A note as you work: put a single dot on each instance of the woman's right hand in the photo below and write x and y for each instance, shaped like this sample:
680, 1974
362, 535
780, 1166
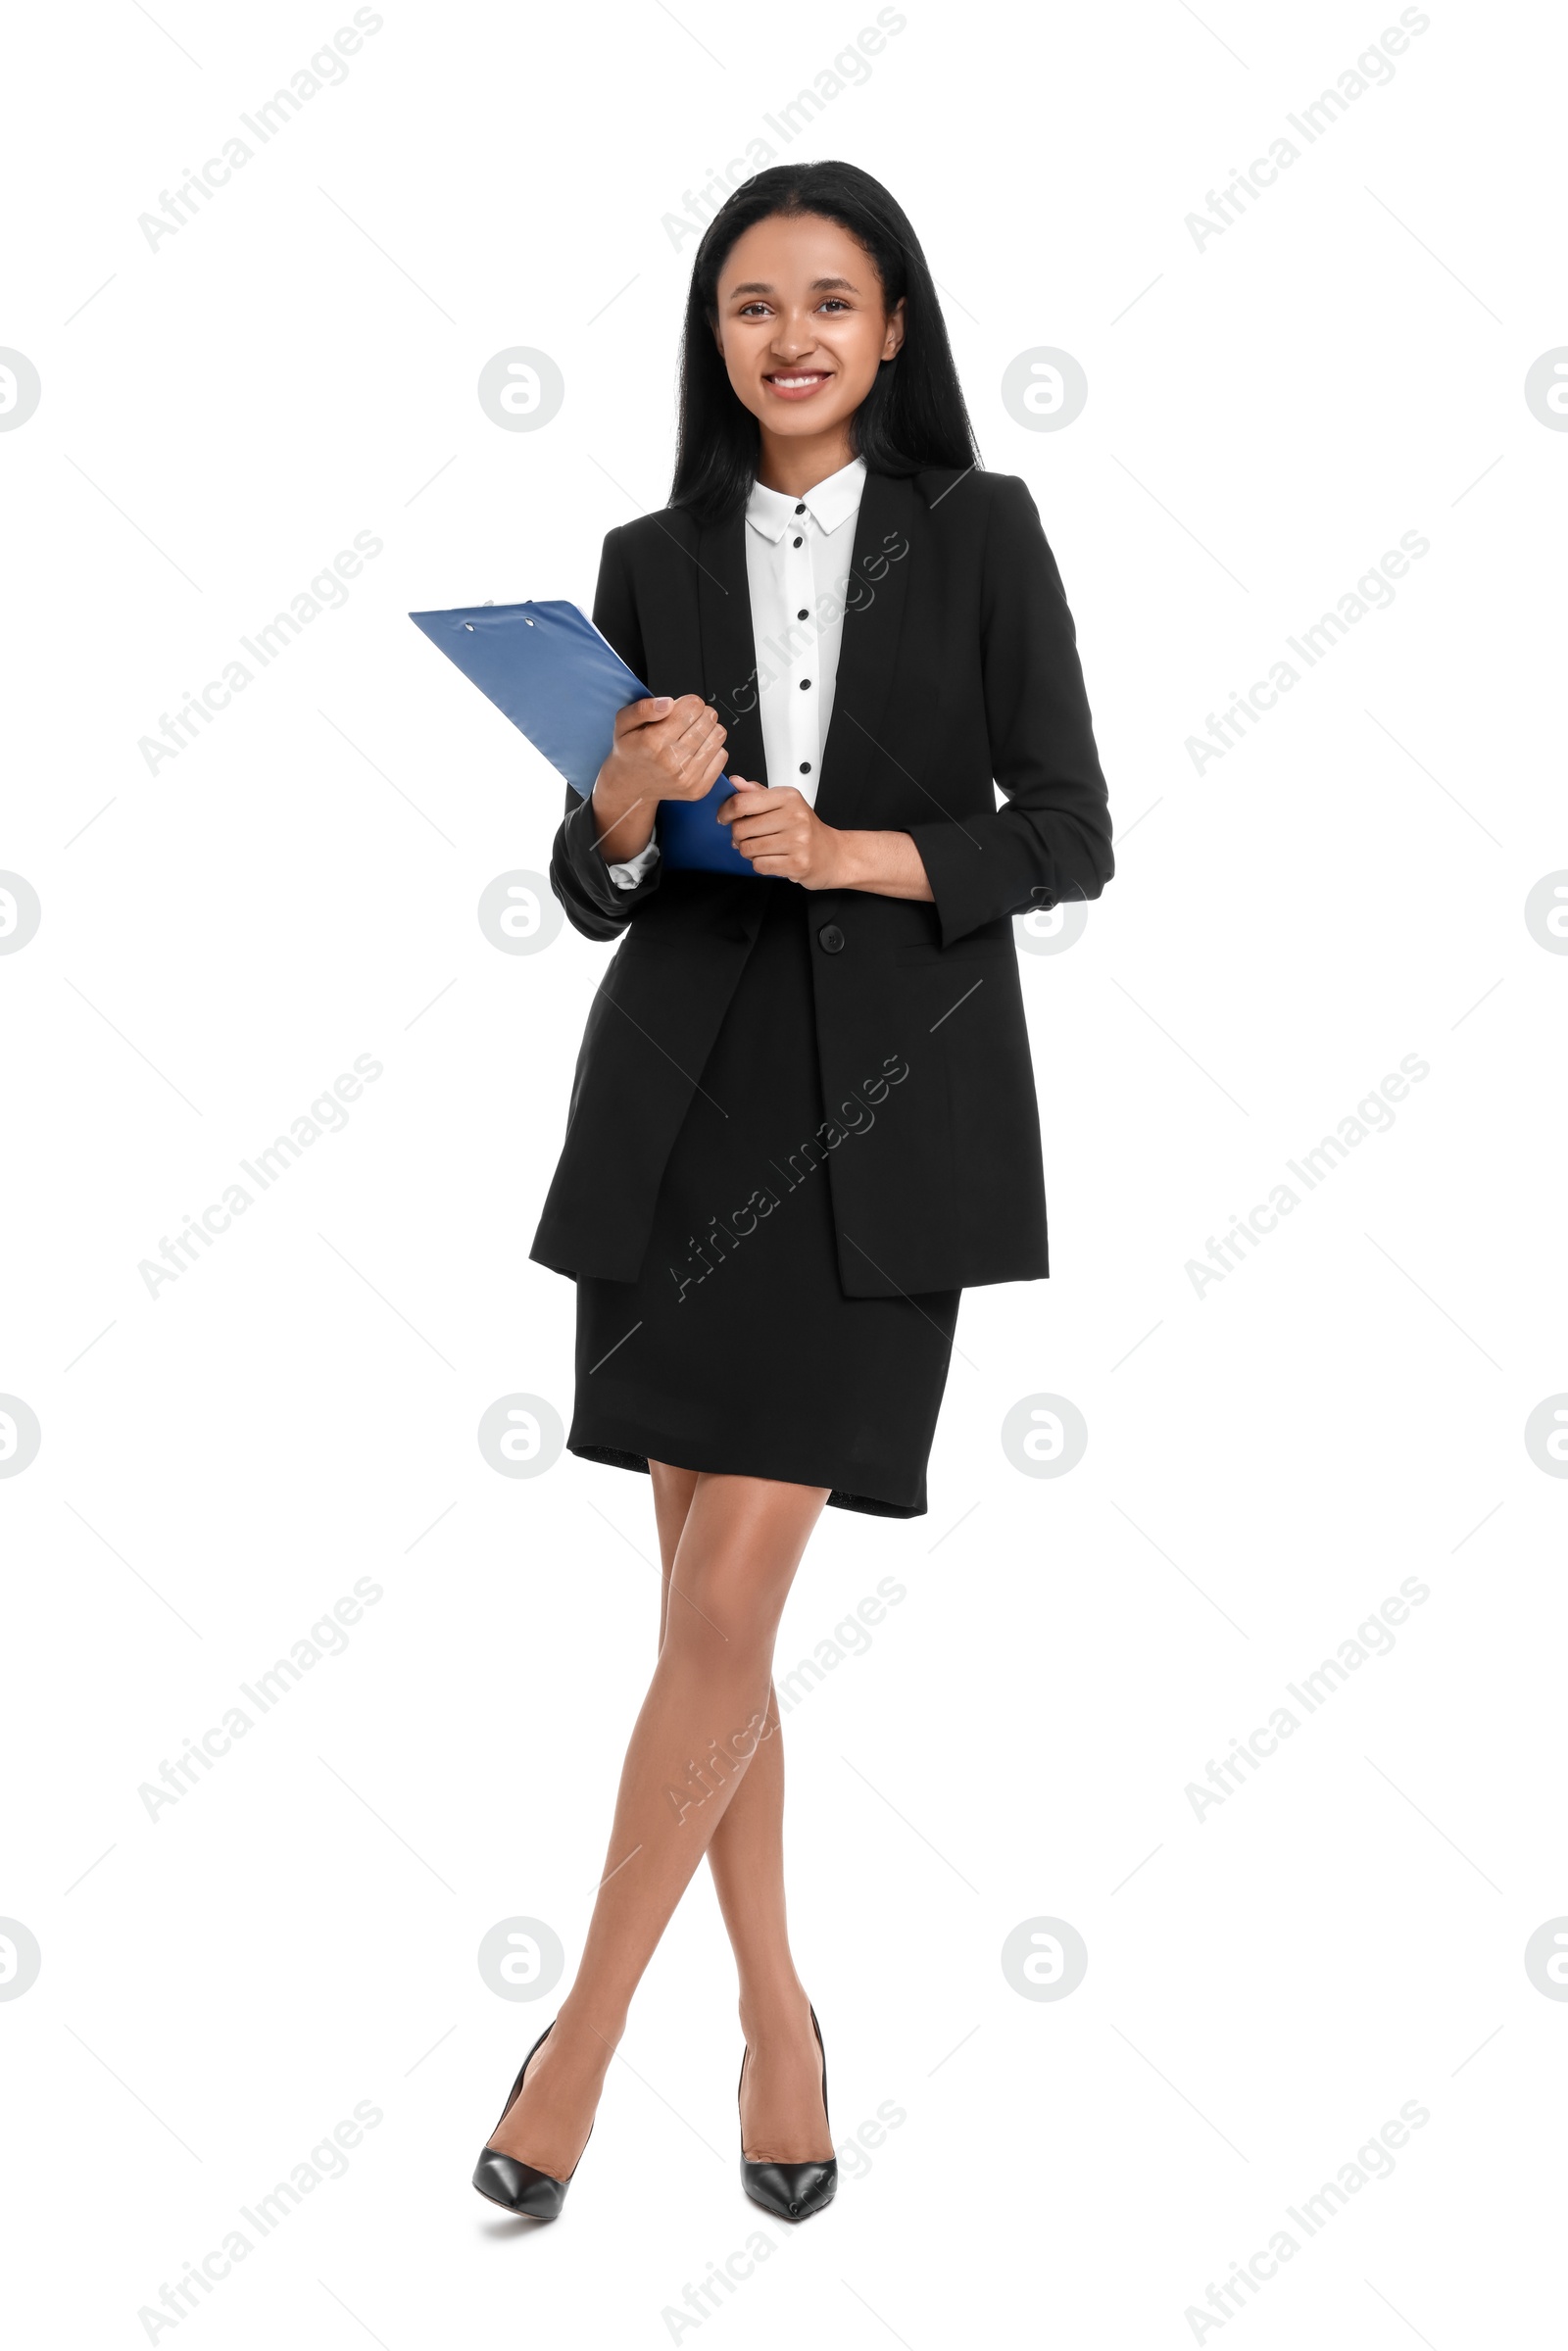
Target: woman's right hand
665, 749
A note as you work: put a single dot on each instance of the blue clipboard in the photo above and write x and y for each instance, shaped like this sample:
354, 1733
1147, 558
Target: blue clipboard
560, 682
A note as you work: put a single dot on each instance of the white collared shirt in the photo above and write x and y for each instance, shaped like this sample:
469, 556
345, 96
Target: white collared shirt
798, 553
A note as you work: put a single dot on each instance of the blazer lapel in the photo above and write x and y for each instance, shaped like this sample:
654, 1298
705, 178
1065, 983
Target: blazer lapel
728, 642
873, 621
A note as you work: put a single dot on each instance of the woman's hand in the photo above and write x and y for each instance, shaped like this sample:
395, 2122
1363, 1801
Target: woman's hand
663, 750
782, 834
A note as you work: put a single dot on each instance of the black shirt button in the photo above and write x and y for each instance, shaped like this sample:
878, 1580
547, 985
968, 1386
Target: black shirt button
802, 614
804, 682
832, 937
800, 510
799, 542
805, 766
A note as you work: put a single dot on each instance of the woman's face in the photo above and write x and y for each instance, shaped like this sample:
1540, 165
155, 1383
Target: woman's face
802, 325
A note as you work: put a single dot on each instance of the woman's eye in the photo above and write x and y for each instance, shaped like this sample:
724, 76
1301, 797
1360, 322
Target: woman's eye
833, 303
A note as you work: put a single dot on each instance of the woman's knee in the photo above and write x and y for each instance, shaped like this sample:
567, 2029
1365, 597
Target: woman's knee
729, 1620
728, 1598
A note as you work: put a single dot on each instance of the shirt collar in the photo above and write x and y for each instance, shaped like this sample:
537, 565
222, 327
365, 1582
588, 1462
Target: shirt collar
832, 502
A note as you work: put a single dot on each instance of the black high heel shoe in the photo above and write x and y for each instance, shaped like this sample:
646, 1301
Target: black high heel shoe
514, 2185
792, 2192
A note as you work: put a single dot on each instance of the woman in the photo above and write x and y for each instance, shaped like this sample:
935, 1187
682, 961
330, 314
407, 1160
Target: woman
803, 1117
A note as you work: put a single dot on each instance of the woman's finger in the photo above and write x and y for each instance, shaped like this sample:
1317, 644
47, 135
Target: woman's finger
758, 824
736, 808
646, 713
701, 720
697, 745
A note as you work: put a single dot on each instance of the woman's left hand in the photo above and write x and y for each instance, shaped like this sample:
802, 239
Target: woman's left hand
782, 834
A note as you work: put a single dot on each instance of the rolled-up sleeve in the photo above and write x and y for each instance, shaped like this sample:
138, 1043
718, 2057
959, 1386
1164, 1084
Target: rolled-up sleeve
601, 899
1051, 841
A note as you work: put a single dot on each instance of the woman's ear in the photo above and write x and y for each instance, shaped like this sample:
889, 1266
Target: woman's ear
893, 340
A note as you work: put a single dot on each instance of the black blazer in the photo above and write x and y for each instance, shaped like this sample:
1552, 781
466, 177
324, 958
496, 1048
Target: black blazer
957, 665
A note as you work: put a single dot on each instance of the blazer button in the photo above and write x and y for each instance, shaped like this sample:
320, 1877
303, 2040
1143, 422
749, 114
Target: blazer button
832, 937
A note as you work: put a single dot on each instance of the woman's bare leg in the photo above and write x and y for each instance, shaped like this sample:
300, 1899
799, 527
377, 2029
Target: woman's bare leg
783, 2118
690, 1752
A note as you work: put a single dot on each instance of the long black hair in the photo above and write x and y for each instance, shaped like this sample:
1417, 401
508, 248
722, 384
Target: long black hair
913, 415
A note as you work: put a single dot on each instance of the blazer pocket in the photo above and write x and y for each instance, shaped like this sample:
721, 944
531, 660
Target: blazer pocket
963, 951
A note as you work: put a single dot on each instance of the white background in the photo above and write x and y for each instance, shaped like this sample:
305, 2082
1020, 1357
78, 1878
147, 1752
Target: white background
1265, 1463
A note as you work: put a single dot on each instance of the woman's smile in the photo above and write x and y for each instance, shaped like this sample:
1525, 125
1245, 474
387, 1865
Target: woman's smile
795, 383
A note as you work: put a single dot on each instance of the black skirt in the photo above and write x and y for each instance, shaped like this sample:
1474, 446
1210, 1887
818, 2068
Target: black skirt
736, 1349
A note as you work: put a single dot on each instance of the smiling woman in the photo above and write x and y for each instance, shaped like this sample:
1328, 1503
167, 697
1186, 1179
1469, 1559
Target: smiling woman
804, 1116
